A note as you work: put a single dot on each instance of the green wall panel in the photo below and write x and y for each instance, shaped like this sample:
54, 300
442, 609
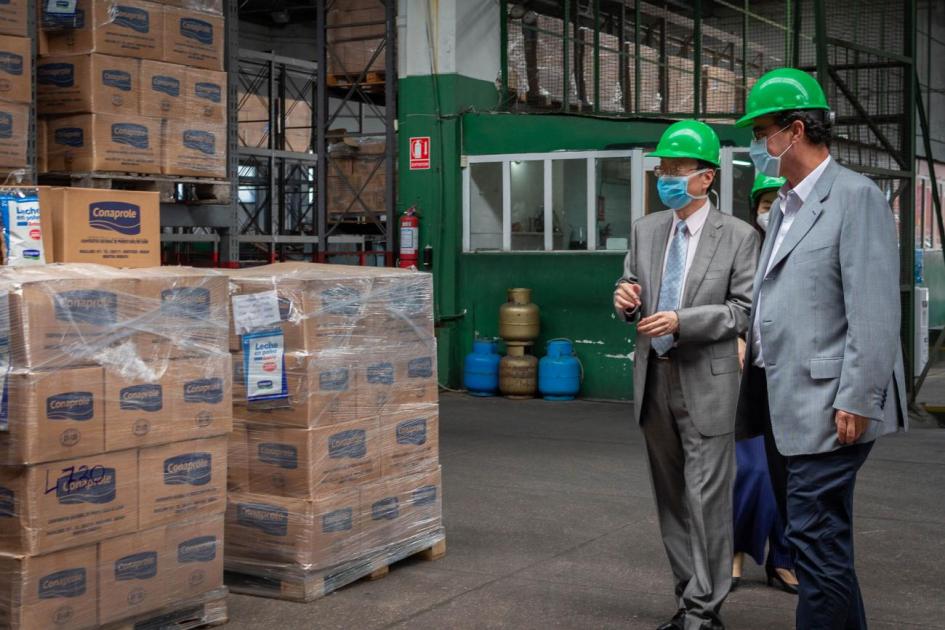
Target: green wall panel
933, 272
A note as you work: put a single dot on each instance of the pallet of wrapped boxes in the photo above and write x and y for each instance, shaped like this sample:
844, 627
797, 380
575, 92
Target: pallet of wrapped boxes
113, 444
334, 459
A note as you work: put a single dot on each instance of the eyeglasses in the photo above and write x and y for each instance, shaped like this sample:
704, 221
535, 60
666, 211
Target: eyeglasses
660, 172
759, 134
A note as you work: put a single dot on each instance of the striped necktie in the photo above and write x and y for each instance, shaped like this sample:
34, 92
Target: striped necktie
671, 288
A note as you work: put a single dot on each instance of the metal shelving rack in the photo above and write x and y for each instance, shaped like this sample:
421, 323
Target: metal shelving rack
279, 206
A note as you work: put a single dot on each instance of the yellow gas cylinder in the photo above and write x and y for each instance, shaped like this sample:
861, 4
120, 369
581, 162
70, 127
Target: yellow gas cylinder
518, 317
518, 373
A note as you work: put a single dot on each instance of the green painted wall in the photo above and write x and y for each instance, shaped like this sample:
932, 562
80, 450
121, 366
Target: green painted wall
933, 273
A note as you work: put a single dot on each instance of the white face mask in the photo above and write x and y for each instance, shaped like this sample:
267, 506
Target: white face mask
762, 221
765, 162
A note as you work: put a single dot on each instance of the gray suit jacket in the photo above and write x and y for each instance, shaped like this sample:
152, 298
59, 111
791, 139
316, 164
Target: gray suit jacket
829, 319
714, 312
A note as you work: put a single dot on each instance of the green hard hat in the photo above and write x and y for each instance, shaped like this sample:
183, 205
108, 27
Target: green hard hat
782, 90
764, 183
689, 139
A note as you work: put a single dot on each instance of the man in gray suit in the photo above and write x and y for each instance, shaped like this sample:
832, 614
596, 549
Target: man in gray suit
687, 282
824, 373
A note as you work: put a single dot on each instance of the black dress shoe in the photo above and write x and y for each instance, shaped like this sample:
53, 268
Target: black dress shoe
678, 622
736, 582
777, 581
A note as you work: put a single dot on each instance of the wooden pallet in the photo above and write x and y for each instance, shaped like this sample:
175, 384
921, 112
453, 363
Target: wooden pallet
374, 79
196, 190
202, 612
283, 582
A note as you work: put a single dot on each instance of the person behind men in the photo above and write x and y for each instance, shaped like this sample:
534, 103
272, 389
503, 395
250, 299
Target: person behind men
824, 373
757, 520
686, 283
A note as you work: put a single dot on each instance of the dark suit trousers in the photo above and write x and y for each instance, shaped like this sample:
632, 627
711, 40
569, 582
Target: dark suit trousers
816, 494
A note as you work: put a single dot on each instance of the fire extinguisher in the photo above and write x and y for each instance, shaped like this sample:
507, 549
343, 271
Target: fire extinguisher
409, 237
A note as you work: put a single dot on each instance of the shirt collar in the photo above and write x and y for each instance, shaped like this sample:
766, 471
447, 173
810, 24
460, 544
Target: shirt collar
695, 221
805, 187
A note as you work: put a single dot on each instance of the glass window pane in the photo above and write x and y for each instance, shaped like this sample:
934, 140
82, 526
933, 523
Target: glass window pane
743, 177
569, 203
651, 197
930, 225
485, 206
528, 205
919, 212
613, 203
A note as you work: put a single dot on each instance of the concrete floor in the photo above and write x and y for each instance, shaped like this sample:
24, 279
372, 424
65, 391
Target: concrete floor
550, 523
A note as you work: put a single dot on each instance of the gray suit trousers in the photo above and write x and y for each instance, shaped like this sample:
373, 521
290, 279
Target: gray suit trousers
692, 481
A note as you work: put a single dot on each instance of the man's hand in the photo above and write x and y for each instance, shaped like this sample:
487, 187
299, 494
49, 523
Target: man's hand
627, 296
741, 353
850, 426
659, 324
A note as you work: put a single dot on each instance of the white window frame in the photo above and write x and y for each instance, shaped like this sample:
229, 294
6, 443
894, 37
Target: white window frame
636, 199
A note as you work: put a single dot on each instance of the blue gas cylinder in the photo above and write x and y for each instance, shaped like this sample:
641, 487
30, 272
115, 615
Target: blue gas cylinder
481, 369
559, 372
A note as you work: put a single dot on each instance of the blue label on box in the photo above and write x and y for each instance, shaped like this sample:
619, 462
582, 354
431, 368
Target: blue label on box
199, 549
424, 496
208, 92
61, 75
420, 368
118, 79
6, 125
269, 519
131, 134
132, 18
70, 137
186, 302
200, 31
341, 300
333, 380
7, 503
338, 521
144, 397
281, 455
166, 85
138, 566
77, 406
95, 485
380, 374
202, 141
412, 432
194, 469
205, 390
87, 307
115, 216
68, 583
386, 509
348, 444
11, 63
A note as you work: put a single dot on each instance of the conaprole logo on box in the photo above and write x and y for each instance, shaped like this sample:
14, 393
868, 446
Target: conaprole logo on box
202, 141
118, 79
86, 485
420, 368
61, 75
423, 496
381, 374
350, 444
333, 380
77, 406
209, 92
270, 519
199, 549
130, 134
413, 432
116, 216
7, 503
68, 583
70, 137
86, 307
6, 125
387, 509
138, 566
186, 302
341, 300
11, 63
132, 18
198, 30
338, 521
166, 85
144, 397
194, 469
204, 390
281, 455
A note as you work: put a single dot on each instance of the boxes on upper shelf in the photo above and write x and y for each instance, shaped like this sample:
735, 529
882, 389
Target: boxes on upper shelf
206, 96
132, 28
92, 83
104, 142
14, 18
193, 39
16, 69
14, 133
197, 149
163, 90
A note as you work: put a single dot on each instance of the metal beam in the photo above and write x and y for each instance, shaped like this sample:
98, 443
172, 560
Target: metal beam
855, 102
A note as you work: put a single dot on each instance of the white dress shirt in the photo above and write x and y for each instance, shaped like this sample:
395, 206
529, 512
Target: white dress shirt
790, 203
694, 224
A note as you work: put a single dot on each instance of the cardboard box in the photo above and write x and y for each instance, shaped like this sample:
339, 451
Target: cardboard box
409, 440
195, 554
206, 96
138, 406
53, 415
14, 133
300, 532
58, 590
42, 149
14, 15
312, 462
196, 149
399, 308
100, 142
68, 503
204, 6
76, 84
16, 69
397, 376
322, 391
358, 28
63, 317
193, 39
109, 227
191, 308
396, 510
184, 480
203, 400
163, 90
237, 459
131, 28
133, 575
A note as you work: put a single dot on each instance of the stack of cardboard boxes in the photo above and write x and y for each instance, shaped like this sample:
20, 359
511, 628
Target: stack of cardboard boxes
136, 87
16, 84
341, 476
357, 178
117, 403
356, 31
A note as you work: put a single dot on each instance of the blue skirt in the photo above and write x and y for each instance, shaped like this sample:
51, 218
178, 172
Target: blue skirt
757, 522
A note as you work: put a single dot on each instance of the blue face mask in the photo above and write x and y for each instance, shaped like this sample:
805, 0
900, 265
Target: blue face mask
766, 163
674, 190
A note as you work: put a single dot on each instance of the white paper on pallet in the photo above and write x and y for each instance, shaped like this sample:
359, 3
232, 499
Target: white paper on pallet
254, 311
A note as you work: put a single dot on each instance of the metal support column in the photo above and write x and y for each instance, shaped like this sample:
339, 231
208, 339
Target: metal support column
321, 123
